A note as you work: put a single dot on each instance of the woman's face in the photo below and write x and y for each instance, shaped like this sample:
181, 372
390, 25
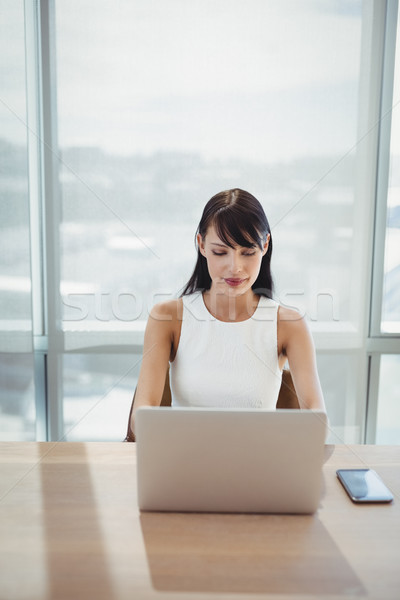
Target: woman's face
232, 270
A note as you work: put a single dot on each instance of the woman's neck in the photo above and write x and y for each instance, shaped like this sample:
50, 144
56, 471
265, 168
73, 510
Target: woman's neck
231, 308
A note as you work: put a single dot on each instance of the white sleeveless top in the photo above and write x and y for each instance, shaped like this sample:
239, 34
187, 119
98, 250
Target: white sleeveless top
220, 364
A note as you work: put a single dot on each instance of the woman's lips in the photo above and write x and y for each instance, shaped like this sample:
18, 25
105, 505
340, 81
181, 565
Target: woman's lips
234, 282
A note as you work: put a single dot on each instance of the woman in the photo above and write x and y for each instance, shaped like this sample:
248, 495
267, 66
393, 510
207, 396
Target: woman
226, 339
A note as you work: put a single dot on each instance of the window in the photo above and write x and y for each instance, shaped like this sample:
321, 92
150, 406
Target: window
98, 389
388, 417
17, 396
384, 339
193, 99
138, 113
391, 286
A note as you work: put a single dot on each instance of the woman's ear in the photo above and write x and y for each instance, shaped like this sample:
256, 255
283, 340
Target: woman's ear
200, 244
265, 248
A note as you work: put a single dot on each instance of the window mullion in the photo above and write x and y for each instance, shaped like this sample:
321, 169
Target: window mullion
51, 215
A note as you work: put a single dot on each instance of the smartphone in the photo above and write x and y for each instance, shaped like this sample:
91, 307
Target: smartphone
364, 485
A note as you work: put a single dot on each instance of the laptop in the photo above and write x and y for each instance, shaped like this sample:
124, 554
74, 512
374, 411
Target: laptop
229, 460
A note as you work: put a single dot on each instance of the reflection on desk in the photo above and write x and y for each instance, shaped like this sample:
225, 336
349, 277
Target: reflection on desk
70, 528
245, 553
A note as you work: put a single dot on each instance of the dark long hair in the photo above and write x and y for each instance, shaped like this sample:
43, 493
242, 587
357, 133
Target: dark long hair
239, 219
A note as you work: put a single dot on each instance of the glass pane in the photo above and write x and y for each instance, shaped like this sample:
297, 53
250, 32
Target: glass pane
391, 285
178, 100
98, 391
339, 381
388, 417
17, 401
17, 398
15, 283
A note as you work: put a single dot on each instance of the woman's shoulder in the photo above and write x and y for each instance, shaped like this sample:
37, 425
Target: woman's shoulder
168, 311
291, 325
286, 314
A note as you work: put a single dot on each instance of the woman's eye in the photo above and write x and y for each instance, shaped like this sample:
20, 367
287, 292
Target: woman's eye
249, 254
218, 253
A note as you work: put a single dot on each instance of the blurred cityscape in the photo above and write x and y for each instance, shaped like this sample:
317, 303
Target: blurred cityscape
126, 235
127, 224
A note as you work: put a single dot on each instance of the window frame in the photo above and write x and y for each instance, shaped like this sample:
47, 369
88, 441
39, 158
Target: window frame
378, 342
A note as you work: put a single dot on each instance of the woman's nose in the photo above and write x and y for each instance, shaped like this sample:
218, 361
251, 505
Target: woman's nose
235, 262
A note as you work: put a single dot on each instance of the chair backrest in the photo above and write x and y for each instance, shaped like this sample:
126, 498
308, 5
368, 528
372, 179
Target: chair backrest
287, 398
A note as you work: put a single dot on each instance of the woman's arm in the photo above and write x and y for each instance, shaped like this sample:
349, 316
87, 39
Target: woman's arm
160, 342
296, 343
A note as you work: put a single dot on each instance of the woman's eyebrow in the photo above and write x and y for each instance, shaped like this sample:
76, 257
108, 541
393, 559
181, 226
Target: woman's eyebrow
216, 244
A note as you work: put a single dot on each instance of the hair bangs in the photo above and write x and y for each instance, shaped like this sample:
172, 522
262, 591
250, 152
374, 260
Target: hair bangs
234, 232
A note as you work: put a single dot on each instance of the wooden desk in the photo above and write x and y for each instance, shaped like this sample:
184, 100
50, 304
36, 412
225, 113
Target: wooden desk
70, 528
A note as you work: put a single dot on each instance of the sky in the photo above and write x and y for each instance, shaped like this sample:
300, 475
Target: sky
221, 78
218, 77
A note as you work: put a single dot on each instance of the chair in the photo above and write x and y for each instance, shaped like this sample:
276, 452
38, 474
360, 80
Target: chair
287, 399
